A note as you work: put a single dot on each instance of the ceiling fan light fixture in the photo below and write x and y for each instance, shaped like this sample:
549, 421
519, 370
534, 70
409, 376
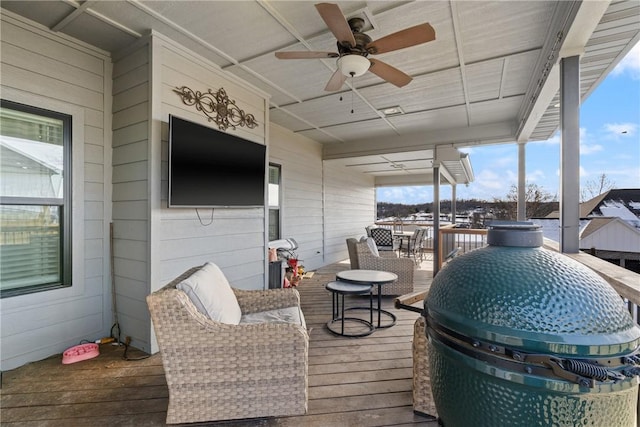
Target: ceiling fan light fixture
353, 65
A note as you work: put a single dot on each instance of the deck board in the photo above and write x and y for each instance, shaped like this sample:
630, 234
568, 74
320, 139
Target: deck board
352, 381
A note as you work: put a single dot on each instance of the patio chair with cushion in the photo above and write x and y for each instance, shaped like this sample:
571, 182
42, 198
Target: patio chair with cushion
368, 229
385, 241
230, 353
363, 255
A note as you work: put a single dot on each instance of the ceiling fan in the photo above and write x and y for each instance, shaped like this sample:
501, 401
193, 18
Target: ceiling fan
355, 46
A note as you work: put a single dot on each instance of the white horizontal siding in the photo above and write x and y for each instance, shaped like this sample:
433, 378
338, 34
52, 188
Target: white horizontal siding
613, 237
349, 208
46, 70
323, 204
131, 193
235, 240
302, 206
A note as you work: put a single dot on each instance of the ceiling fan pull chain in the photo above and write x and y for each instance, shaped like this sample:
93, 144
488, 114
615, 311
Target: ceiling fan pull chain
351, 93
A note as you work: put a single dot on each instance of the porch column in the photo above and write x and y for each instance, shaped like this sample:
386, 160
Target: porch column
453, 203
436, 217
569, 154
522, 190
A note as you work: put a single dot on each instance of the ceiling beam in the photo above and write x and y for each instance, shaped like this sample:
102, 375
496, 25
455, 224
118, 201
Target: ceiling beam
464, 136
463, 72
541, 85
80, 8
404, 180
152, 13
303, 120
589, 15
572, 26
444, 173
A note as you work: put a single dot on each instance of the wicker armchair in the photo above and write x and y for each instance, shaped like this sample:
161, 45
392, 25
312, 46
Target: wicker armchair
423, 403
366, 260
218, 371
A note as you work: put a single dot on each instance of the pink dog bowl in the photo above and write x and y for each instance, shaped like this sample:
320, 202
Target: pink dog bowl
79, 353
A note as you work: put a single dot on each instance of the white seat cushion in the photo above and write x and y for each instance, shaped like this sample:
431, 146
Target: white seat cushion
281, 315
212, 295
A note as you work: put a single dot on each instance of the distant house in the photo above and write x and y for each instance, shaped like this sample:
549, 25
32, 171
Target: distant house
30, 168
618, 203
612, 239
609, 227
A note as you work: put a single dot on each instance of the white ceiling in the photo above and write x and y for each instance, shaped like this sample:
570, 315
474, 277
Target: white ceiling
482, 81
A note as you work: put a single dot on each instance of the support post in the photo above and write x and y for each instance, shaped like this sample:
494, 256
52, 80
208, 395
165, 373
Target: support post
522, 184
436, 218
453, 203
570, 154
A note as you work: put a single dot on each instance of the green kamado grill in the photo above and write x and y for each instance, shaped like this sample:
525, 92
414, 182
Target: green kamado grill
523, 336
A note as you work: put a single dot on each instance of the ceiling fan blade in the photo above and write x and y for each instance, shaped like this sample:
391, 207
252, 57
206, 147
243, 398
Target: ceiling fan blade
389, 73
337, 23
336, 81
305, 55
405, 38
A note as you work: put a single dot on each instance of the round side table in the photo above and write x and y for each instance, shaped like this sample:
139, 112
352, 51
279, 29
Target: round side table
338, 291
373, 278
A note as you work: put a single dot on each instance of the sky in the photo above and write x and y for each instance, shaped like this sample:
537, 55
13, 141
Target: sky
610, 110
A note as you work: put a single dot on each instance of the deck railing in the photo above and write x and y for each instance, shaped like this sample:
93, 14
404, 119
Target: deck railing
456, 241
395, 226
409, 227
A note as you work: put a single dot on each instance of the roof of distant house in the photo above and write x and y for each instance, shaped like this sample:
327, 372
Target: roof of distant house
49, 155
619, 203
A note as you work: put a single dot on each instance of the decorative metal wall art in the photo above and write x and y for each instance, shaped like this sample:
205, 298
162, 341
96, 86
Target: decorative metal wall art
217, 107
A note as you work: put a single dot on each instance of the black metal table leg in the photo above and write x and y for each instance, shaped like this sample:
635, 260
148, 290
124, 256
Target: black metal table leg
338, 291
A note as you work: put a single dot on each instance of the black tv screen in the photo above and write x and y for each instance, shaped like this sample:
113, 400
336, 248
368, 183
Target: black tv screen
209, 168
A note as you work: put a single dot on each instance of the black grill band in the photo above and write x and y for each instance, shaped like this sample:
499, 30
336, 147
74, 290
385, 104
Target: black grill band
584, 372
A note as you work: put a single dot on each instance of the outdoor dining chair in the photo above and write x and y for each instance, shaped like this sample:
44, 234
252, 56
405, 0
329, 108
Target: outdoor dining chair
384, 239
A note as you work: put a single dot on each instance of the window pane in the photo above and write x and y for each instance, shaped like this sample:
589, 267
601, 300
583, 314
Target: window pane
274, 201
274, 186
274, 224
32, 156
35, 146
29, 246
274, 174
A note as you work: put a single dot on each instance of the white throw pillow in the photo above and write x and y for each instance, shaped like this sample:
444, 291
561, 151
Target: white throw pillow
372, 246
212, 295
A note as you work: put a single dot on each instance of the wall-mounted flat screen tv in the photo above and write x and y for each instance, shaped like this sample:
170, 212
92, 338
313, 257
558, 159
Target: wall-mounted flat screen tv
210, 168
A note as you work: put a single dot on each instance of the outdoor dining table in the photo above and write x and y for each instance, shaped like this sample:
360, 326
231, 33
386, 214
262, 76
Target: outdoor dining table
374, 278
404, 236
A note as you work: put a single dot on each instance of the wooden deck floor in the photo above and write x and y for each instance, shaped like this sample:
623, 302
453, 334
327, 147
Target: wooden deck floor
352, 381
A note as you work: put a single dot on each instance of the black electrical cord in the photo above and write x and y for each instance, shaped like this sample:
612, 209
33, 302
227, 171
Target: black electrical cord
127, 342
116, 323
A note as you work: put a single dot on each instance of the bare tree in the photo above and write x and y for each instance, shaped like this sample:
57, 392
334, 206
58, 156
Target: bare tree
537, 202
593, 188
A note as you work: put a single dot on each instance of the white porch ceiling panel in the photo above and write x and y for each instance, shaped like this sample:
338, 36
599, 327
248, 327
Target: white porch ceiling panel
475, 84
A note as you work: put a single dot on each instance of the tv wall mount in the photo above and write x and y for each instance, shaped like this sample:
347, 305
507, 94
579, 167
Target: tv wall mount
217, 107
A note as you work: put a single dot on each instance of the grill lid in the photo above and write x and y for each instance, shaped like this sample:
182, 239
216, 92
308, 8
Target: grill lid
517, 294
